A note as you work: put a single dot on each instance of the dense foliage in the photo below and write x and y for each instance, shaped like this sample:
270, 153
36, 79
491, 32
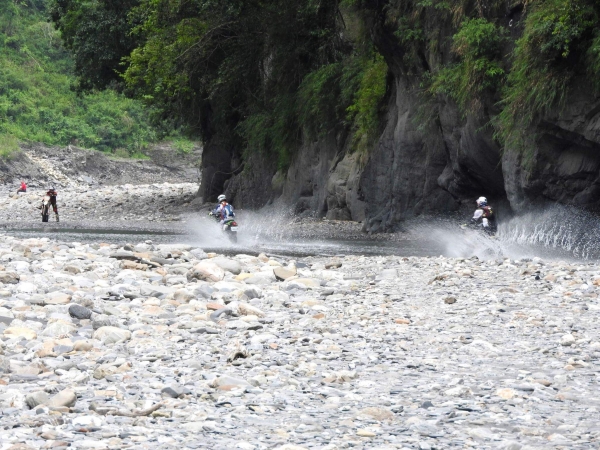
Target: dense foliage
98, 34
37, 102
270, 74
260, 73
477, 44
559, 42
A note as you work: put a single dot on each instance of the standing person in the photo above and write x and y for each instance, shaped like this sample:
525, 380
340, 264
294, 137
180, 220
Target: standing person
484, 216
23, 187
52, 194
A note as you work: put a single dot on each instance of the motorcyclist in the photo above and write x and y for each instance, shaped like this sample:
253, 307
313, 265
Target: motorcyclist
484, 216
223, 210
52, 194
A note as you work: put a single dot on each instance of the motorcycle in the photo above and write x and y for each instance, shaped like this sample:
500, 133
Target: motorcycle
229, 227
479, 241
46, 209
489, 231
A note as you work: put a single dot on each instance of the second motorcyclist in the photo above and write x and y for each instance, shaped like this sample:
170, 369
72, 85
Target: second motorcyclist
223, 210
484, 216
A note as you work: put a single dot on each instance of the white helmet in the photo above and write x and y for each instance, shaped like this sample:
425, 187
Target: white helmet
481, 201
221, 198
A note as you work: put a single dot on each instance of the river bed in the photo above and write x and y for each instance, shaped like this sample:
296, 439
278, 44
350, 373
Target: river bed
430, 241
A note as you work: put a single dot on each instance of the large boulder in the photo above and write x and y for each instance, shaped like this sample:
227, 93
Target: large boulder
206, 270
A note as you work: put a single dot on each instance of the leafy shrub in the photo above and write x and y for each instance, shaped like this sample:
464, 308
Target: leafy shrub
477, 45
557, 36
365, 109
9, 145
273, 132
593, 61
318, 99
183, 146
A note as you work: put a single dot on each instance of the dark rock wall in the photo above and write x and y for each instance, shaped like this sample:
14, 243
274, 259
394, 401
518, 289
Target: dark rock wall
401, 177
565, 167
414, 169
250, 186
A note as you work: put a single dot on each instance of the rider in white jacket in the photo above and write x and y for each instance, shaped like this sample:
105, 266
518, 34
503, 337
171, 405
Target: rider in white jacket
484, 215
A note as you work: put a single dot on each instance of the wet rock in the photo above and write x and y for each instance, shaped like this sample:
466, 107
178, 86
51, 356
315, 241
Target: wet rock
80, 312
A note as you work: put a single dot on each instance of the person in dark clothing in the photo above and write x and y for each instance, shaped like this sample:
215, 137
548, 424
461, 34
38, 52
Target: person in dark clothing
52, 194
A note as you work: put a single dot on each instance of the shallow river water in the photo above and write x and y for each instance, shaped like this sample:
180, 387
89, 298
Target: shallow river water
422, 240
558, 233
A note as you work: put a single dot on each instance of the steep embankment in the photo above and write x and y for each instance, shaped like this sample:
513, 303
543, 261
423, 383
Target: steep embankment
41, 166
441, 145
98, 191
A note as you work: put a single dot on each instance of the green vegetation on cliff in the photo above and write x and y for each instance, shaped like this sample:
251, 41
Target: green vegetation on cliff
37, 102
268, 76
518, 80
559, 42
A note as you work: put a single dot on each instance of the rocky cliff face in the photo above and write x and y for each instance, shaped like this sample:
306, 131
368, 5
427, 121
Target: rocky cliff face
566, 165
414, 170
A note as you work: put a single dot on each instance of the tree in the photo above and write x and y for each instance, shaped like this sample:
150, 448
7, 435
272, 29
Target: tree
98, 34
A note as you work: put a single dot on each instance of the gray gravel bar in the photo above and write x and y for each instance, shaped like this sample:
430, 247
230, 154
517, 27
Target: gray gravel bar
152, 346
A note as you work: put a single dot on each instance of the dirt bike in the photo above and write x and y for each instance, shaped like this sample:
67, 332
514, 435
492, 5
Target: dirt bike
489, 231
46, 209
479, 241
229, 227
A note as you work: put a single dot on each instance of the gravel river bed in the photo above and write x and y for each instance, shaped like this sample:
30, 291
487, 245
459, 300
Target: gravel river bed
133, 324
151, 346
